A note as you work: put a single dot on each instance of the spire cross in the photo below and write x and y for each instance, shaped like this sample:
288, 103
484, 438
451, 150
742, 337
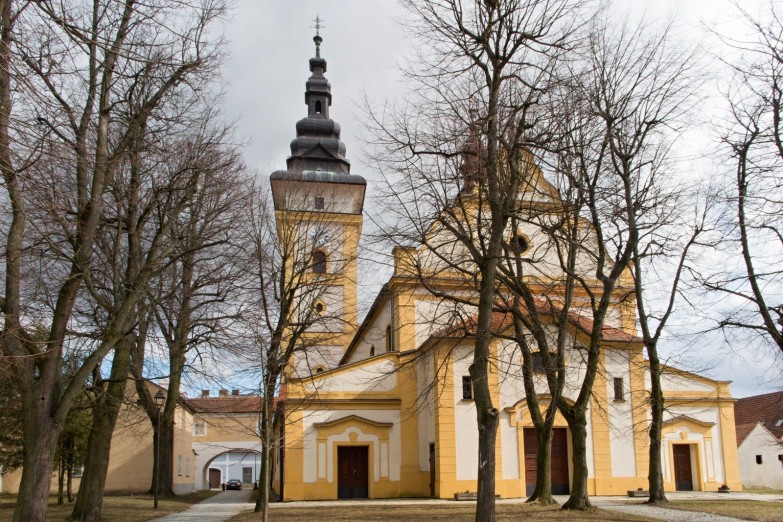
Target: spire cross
318, 25
317, 39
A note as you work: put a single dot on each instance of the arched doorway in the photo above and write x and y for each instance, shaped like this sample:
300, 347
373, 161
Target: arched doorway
244, 465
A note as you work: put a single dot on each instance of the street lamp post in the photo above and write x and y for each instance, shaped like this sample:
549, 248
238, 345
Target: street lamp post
160, 398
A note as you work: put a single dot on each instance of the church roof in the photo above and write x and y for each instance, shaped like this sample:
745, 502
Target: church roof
317, 154
766, 409
502, 321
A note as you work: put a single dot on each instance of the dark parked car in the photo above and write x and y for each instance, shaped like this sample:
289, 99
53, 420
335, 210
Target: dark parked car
234, 484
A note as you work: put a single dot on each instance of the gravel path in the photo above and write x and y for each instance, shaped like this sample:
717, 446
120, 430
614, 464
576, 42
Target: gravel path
221, 507
634, 506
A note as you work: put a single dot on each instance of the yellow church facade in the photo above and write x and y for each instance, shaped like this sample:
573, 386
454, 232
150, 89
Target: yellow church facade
384, 408
400, 423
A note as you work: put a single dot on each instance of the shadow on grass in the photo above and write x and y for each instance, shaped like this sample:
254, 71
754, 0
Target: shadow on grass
128, 507
431, 512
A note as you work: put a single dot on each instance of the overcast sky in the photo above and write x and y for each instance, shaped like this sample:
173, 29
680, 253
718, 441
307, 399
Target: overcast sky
271, 43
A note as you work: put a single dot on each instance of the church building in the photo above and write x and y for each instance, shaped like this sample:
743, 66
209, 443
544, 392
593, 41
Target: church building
383, 408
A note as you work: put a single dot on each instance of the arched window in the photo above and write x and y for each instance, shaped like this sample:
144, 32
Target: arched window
372, 350
319, 262
318, 107
319, 369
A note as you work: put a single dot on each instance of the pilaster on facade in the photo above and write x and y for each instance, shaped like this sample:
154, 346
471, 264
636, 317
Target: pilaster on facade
599, 423
639, 396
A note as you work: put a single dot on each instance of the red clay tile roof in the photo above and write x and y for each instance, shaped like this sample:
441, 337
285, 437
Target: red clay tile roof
231, 404
743, 430
767, 409
609, 333
502, 321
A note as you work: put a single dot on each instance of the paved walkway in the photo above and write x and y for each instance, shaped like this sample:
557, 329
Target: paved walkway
218, 508
636, 506
224, 505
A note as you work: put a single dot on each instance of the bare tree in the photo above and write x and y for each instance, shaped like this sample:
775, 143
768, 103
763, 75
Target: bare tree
66, 72
72, 447
142, 234
635, 90
289, 313
193, 301
480, 74
537, 293
752, 139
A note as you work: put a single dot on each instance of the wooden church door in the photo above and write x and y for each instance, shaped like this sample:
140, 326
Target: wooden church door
683, 475
352, 472
559, 463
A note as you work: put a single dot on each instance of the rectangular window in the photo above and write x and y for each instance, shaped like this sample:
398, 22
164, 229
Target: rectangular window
389, 339
619, 395
199, 428
538, 362
319, 203
77, 470
187, 466
179, 465
467, 388
758, 459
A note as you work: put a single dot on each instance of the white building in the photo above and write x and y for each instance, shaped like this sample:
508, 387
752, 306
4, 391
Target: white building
760, 440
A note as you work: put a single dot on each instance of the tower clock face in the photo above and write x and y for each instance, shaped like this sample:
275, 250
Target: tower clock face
319, 235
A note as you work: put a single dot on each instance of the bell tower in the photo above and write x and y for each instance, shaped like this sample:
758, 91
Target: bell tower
318, 211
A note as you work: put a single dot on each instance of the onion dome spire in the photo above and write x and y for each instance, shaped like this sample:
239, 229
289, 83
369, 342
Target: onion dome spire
317, 154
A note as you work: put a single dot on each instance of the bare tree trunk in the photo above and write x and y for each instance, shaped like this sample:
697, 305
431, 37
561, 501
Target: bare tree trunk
37, 470
163, 439
163, 449
267, 438
486, 413
69, 482
655, 476
166, 451
543, 490
579, 499
487, 428
105, 412
60, 481
262, 504
264, 482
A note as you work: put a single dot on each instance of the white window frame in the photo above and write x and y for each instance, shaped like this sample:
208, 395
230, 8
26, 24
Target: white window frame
200, 424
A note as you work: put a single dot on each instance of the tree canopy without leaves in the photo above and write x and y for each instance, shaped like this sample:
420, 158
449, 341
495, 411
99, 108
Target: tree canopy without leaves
78, 84
479, 78
751, 139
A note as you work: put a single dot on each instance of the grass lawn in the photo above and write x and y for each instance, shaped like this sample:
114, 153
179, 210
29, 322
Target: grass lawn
745, 509
763, 491
136, 508
457, 512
